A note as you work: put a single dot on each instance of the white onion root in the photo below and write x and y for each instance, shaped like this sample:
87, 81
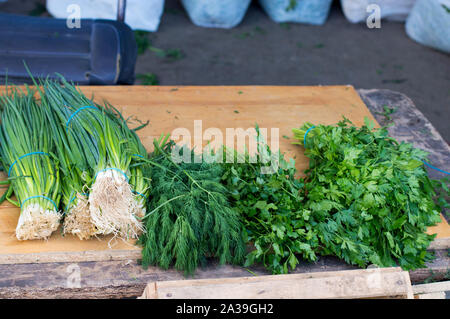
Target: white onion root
139, 211
78, 219
36, 223
112, 206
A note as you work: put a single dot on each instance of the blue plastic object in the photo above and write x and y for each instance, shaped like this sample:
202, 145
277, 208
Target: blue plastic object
216, 13
99, 52
301, 11
429, 24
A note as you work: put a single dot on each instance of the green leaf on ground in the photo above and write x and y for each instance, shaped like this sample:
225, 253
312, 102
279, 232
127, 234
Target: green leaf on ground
147, 78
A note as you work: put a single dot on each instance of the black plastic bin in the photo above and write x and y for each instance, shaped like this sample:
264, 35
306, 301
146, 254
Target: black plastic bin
99, 52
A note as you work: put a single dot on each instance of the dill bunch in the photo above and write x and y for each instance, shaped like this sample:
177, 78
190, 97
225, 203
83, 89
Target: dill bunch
189, 216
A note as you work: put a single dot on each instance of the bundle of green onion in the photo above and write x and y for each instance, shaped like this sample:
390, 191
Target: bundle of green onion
139, 167
27, 154
104, 188
77, 151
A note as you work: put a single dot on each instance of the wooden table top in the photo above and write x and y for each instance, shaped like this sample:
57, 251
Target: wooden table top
115, 273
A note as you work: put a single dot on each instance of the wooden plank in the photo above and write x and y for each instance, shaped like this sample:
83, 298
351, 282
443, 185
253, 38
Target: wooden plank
435, 290
438, 269
293, 288
432, 295
104, 254
440, 243
409, 294
57, 248
369, 283
105, 292
442, 286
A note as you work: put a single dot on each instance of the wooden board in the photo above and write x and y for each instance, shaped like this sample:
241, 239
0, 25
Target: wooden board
435, 290
168, 108
128, 279
349, 284
441, 286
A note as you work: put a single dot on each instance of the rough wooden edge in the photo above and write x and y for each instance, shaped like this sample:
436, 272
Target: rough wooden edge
271, 278
393, 283
150, 291
432, 295
106, 292
440, 243
134, 254
410, 294
423, 274
90, 255
438, 269
431, 288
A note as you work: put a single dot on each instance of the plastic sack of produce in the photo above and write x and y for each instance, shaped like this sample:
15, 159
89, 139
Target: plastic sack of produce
356, 10
216, 13
301, 11
139, 14
429, 24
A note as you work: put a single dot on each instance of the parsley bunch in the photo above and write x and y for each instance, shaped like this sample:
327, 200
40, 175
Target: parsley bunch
270, 206
369, 197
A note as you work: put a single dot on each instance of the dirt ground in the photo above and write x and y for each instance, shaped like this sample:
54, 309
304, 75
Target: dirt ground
261, 52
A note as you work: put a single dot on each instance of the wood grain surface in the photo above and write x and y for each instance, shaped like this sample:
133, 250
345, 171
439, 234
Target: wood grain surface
348, 284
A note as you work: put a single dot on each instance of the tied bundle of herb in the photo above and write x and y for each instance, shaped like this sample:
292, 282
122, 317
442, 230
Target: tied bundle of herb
270, 205
27, 154
97, 152
74, 150
139, 168
369, 197
189, 217
111, 199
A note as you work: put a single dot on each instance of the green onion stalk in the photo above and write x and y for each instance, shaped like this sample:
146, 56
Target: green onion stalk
76, 150
139, 167
27, 155
110, 200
